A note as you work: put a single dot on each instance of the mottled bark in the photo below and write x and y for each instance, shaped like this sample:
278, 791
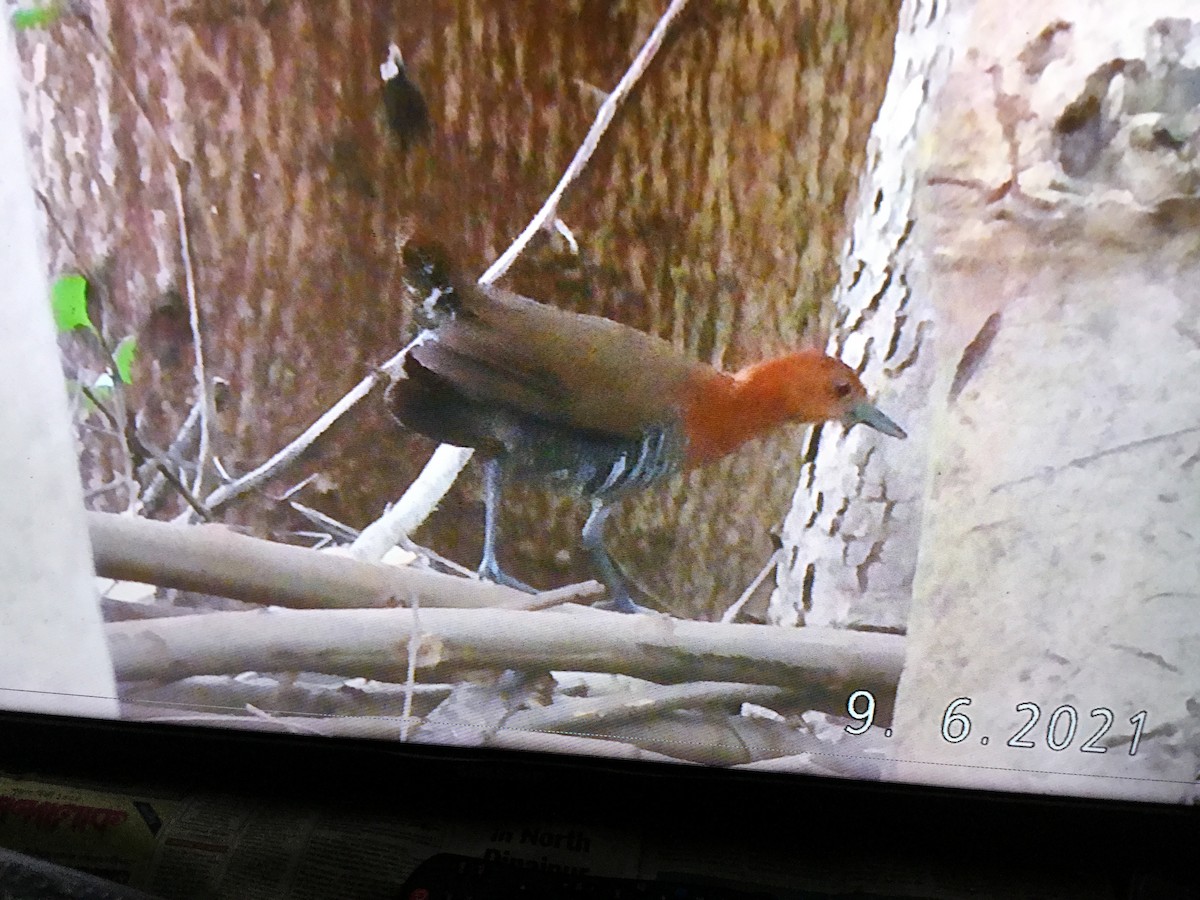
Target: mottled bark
1059, 557
713, 216
53, 656
850, 539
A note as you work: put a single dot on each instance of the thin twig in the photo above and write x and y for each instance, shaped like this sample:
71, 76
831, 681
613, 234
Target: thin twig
296, 488
332, 526
604, 117
288, 454
174, 452
432, 557
118, 423
732, 612
109, 486
180, 488
134, 445
582, 592
203, 397
101, 407
53, 220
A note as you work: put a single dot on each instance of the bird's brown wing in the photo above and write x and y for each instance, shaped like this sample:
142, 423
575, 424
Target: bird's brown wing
572, 369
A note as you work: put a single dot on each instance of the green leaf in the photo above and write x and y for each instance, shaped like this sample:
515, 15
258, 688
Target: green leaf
123, 356
68, 299
38, 17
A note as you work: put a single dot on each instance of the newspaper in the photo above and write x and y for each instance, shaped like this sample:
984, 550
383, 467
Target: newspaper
208, 845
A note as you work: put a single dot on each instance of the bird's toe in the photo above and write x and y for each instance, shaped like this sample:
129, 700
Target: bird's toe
497, 575
622, 604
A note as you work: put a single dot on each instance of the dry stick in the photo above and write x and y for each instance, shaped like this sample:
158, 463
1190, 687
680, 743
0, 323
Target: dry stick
380, 727
291, 727
203, 398
546, 742
604, 117
215, 560
732, 613
568, 593
591, 713
133, 444
230, 694
177, 446
253, 479
384, 728
818, 667
439, 474
714, 737
414, 507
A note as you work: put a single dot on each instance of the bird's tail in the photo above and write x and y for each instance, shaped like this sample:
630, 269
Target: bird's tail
433, 283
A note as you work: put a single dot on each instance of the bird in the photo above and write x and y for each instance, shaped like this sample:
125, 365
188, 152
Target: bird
404, 106
587, 405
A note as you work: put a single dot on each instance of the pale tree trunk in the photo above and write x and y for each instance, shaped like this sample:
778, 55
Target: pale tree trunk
850, 540
1060, 553
53, 656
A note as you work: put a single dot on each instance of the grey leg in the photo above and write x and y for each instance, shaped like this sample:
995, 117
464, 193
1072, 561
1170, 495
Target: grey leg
489, 567
619, 599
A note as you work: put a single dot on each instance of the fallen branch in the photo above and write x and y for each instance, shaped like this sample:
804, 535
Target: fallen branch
825, 765
212, 559
312, 694
728, 740
377, 727
820, 668
595, 713
380, 728
539, 742
686, 721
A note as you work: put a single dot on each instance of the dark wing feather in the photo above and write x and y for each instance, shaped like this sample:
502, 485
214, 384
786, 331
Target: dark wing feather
429, 405
561, 367
483, 376
499, 349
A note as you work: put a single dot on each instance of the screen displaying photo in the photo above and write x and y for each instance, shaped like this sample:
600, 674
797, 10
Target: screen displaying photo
803, 387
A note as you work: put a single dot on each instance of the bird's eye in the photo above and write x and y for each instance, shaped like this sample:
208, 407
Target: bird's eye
841, 390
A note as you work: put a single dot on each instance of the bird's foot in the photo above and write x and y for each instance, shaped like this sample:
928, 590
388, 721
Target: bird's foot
490, 570
622, 603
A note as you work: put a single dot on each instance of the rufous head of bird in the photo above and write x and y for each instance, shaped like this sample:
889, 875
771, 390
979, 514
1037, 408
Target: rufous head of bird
812, 387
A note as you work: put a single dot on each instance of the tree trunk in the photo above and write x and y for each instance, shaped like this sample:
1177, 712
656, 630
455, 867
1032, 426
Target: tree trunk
1060, 559
53, 655
850, 540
